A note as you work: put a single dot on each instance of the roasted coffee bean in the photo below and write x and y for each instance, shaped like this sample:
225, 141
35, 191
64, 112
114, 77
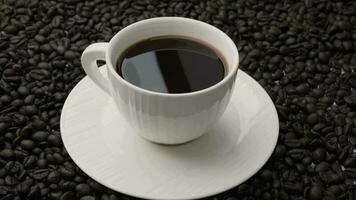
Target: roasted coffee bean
40, 38
79, 179
5, 99
29, 99
68, 185
12, 167
7, 154
39, 124
314, 193
254, 53
3, 127
96, 186
31, 110
87, 198
323, 166
70, 55
53, 177
46, 48
39, 174
29, 161
323, 57
2, 172
35, 192
68, 196
302, 88
266, 175
20, 153
67, 172
350, 162
11, 181
17, 103
39, 74
26, 131
23, 90
313, 118
293, 187
58, 158
22, 188
40, 136
42, 163
4, 190
82, 189
242, 189
293, 143
280, 150
27, 144
258, 36
297, 154
54, 140
318, 155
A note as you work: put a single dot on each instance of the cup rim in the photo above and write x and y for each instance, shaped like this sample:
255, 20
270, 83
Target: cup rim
232, 72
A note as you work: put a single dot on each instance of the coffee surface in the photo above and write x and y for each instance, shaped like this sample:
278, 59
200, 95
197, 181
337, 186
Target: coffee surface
171, 65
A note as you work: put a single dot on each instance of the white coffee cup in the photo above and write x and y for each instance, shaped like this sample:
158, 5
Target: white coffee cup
162, 117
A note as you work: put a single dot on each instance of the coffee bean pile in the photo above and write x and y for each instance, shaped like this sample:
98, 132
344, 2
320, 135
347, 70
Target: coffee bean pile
302, 52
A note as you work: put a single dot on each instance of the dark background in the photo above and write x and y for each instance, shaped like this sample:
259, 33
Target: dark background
301, 52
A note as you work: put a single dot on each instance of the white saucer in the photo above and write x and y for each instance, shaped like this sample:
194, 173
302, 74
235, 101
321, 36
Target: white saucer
104, 146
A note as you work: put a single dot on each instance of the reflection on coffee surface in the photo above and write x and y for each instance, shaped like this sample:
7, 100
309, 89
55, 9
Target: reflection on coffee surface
171, 65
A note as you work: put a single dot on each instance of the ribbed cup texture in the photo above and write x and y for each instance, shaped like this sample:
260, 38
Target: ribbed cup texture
170, 119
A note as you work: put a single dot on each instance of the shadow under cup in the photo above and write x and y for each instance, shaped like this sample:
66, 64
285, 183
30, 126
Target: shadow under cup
172, 118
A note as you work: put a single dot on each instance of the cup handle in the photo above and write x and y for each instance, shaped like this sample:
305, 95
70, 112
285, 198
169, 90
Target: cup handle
89, 57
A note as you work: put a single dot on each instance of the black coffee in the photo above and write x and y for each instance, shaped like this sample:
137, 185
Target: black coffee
171, 65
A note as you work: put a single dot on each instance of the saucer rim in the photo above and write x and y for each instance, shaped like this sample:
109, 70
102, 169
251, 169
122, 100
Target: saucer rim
207, 194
